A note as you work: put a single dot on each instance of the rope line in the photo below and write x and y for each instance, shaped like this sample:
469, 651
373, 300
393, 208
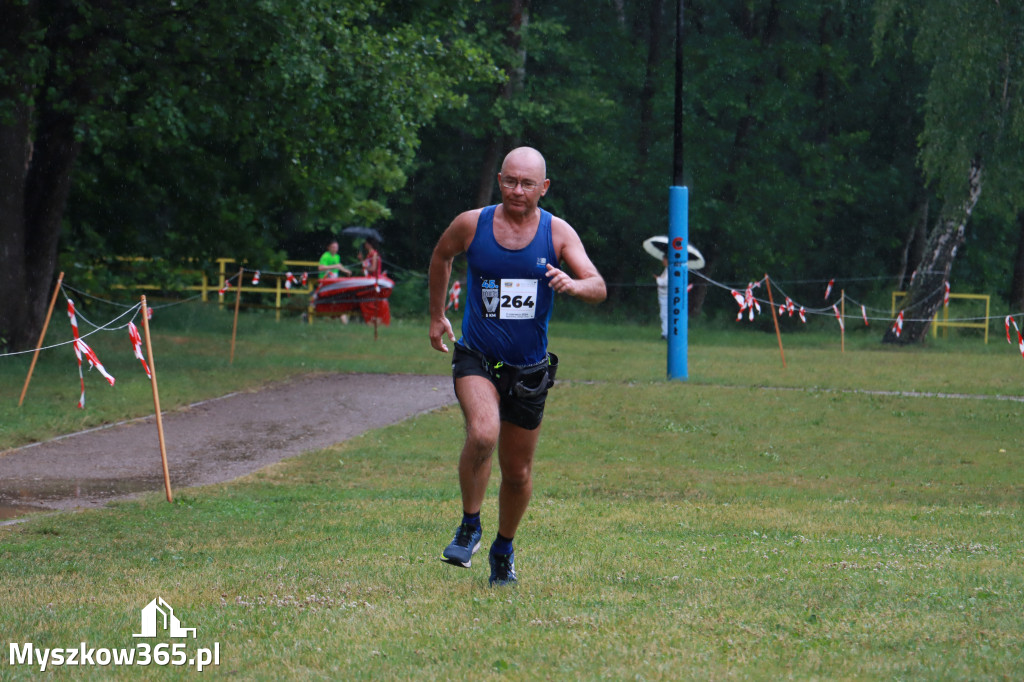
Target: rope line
67, 286
78, 313
828, 312
876, 314
134, 309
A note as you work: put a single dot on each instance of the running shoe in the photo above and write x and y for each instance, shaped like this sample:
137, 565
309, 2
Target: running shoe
503, 569
463, 546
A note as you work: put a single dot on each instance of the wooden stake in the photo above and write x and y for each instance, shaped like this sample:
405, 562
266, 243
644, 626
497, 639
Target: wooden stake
42, 336
842, 320
775, 318
234, 329
156, 400
376, 304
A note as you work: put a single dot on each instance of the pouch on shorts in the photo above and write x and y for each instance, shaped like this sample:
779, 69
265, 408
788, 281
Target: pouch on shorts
528, 382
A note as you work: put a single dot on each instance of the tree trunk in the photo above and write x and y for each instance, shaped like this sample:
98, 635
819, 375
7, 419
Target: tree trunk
519, 17
647, 91
620, 12
13, 302
14, 160
1017, 285
695, 299
913, 245
488, 170
46, 194
927, 289
35, 179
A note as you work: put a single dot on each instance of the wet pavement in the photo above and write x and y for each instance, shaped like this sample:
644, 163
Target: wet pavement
209, 442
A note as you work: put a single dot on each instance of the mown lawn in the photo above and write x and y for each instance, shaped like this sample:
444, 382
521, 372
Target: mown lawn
754, 522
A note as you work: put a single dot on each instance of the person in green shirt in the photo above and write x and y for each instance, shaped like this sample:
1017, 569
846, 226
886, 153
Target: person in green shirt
330, 262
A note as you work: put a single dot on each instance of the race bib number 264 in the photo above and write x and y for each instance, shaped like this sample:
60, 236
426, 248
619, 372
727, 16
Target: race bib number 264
511, 299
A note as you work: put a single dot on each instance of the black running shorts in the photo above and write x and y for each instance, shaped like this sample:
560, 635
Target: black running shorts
524, 412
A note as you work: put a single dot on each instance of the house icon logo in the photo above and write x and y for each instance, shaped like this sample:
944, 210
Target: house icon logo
158, 614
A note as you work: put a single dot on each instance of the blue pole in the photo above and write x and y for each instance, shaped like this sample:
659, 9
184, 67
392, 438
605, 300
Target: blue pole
678, 276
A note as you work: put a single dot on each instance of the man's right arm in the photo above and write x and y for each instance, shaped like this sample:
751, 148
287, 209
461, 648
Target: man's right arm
455, 240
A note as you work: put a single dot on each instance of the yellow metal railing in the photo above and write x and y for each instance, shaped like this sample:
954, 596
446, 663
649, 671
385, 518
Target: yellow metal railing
205, 287
279, 289
944, 322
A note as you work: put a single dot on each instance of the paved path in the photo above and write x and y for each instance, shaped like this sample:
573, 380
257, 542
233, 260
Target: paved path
216, 440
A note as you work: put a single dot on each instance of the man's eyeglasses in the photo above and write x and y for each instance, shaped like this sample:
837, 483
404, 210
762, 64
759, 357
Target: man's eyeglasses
527, 185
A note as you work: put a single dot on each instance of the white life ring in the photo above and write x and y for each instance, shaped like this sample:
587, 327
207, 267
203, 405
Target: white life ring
657, 247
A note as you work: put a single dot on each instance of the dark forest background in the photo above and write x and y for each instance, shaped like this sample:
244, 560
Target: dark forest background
857, 140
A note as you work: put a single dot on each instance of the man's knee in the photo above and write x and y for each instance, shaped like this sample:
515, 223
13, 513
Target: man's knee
481, 439
516, 475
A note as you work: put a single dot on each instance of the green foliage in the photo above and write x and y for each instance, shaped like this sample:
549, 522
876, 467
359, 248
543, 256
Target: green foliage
243, 130
409, 298
973, 105
232, 128
800, 154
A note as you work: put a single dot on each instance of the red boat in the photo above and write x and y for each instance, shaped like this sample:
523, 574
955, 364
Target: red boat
368, 294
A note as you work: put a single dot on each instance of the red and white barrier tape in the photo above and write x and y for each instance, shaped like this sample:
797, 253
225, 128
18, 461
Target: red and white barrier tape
898, 325
133, 332
746, 301
839, 317
453, 295
82, 348
828, 289
256, 278
1020, 338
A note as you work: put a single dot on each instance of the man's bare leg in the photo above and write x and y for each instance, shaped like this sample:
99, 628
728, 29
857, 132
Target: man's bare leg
516, 448
480, 406
479, 401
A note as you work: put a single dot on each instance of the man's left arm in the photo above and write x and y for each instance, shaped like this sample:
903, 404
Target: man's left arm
587, 285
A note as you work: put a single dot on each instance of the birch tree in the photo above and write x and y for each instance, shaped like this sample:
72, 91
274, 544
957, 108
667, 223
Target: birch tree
973, 124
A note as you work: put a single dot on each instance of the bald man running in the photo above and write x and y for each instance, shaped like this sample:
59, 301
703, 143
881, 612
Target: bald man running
501, 366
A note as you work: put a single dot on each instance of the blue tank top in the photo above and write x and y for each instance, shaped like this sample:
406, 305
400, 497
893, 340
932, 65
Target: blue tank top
509, 301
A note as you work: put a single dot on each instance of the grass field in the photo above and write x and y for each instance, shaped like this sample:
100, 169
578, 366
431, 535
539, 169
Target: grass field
756, 522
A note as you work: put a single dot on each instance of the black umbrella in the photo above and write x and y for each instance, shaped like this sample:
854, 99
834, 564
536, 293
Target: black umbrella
364, 232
